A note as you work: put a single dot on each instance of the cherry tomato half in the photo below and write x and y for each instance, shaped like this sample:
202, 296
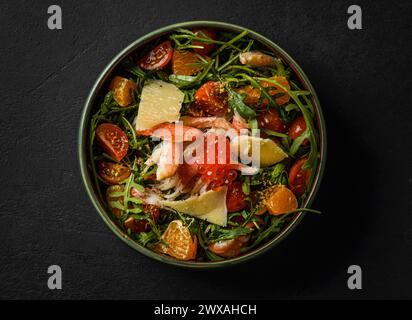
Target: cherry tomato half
296, 128
113, 140
158, 57
201, 33
270, 119
215, 171
235, 198
212, 98
299, 178
113, 173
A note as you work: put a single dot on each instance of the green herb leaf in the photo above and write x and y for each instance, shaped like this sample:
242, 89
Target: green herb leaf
236, 103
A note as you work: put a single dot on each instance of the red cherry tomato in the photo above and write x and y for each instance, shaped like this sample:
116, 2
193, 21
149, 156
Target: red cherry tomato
212, 98
271, 120
235, 198
201, 33
158, 57
299, 178
215, 171
297, 127
113, 173
113, 140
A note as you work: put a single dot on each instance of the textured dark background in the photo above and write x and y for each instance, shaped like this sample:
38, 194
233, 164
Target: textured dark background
362, 79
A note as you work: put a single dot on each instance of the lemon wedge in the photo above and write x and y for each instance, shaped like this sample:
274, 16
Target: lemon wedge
268, 153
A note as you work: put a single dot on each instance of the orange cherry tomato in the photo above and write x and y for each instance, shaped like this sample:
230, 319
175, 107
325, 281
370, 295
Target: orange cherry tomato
158, 57
299, 178
201, 33
275, 90
122, 90
252, 95
280, 200
185, 63
229, 248
212, 98
113, 173
113, 140
179, 242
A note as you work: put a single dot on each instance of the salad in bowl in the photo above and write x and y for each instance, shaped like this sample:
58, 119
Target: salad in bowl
203, 144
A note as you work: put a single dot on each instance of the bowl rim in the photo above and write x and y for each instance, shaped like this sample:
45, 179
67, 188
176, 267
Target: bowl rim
83, 144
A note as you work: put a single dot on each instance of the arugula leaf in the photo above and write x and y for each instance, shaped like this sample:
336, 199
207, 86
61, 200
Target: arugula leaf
189, 81
236, 103
227, 234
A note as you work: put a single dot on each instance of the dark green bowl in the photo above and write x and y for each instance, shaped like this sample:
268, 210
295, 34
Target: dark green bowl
83, 146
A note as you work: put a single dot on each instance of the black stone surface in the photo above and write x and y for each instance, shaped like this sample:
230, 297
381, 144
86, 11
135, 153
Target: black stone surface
364, 84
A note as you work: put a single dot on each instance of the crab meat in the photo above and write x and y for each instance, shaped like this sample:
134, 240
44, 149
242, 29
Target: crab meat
256, 58
172, 132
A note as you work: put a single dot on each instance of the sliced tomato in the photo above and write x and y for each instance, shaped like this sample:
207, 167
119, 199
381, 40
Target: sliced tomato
270, 119
296, 128
113, 140
212, 98
185, 63
113, 173
204, 33
299, 178
158, 57
235, 198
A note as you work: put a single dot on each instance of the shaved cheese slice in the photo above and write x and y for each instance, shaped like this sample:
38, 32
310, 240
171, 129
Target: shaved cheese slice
160, 102
209, 206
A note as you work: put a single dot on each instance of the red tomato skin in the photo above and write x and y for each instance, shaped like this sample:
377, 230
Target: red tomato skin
113, 173
271, 120
207, 47
296, 128
157, 58
235, 198
216, 173
299, 178
113, 140
212, 98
